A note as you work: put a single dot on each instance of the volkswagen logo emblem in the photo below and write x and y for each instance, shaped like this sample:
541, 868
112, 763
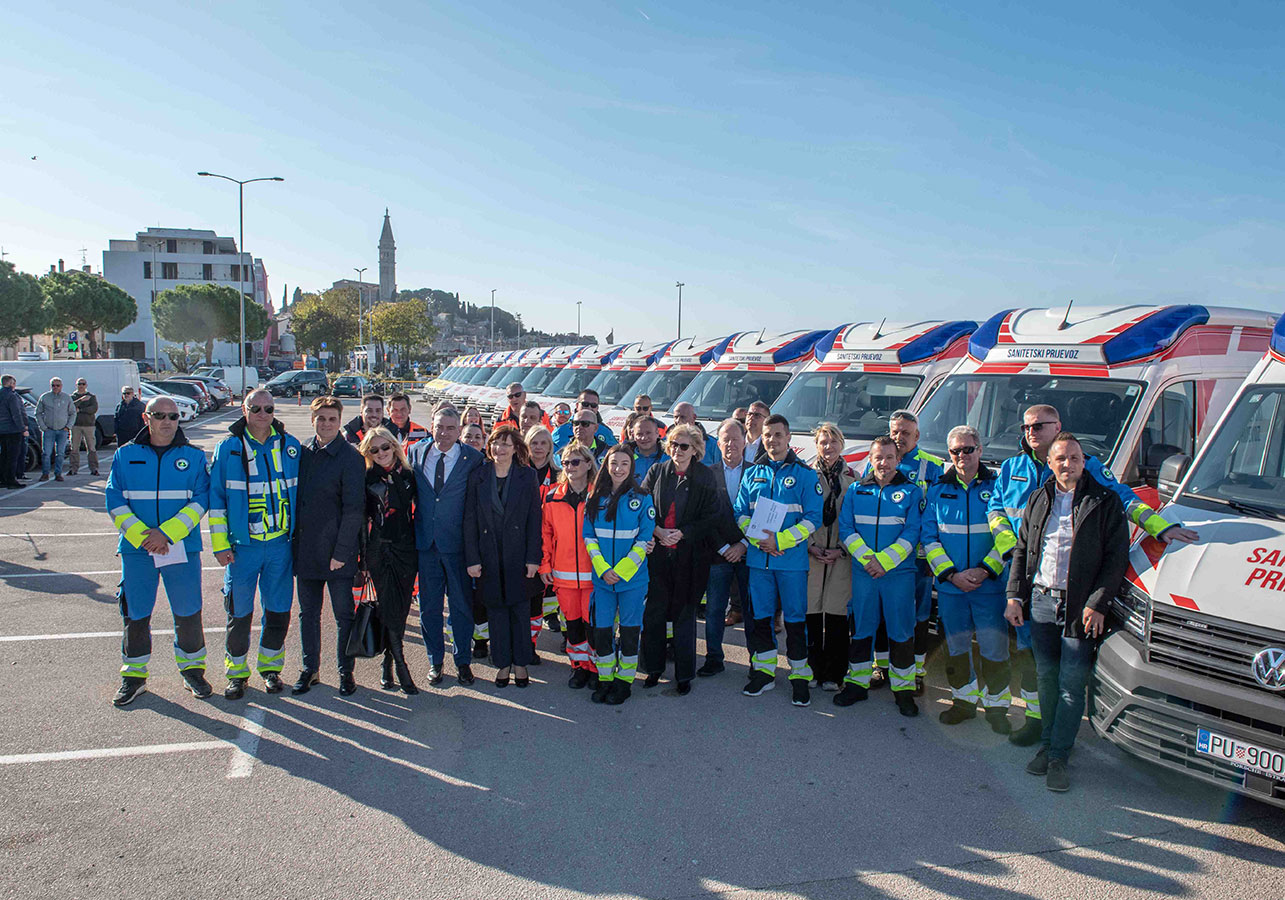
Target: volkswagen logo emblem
1269, 668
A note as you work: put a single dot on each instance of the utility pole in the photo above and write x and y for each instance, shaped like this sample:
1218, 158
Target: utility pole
361, 308
492, 320
679, 285
578, 302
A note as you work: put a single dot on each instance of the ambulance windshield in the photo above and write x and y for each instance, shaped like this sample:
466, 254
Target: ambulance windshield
539, 379
662, 385
611, 386
1244, 465
858, 402
1096, 410
717, 394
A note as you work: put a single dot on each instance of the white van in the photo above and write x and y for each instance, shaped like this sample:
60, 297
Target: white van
434, 386
238, 378
1193, 677
616, 383
754, 366
1136, 384
487, 365
546, 370
493, 399
106, 378
668, 377
576, 375
862, 373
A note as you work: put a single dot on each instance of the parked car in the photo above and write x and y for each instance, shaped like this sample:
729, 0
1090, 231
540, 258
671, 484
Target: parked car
187, 407
351, 386
218, 389
193, 390
237, 378
297, 382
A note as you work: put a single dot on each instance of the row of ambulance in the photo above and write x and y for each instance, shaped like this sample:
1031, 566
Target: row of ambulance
1184, 403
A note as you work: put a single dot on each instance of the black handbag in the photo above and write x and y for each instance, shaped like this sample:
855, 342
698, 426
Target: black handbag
367, 636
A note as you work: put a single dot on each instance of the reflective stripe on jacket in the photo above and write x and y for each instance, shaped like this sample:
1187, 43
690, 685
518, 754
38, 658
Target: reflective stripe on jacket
794, 484
169, 490
956, 531
269, 484
565, 556
621, 544
881, 523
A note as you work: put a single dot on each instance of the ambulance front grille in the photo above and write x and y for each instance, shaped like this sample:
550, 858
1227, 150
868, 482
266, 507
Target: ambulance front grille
1206, 645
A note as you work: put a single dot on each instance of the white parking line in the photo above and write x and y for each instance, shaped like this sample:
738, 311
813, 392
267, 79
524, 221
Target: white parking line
247, 743
68, 574
111, 752
54, 534
18, 638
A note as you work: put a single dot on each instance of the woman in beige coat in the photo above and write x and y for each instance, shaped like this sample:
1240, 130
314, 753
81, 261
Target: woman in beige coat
829, 571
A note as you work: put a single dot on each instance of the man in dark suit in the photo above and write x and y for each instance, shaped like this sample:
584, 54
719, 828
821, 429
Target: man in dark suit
727, 547
442, 470
332, 509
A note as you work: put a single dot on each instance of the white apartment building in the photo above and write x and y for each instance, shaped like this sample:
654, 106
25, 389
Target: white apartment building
162, 258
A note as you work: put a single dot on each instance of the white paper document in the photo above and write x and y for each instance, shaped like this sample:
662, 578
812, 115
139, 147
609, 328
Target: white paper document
768, 517
176, 555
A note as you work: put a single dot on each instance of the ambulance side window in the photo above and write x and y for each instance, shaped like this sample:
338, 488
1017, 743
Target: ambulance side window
1170, 429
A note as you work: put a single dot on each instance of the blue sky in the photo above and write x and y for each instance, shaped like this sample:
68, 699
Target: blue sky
795, 164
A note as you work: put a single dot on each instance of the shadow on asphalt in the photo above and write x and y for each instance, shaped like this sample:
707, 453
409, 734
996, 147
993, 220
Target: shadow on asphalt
675, 797
56, 582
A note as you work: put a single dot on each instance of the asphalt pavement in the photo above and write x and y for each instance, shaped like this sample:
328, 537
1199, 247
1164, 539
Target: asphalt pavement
487, 793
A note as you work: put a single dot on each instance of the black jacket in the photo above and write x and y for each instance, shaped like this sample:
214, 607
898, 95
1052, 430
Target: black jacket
502, 535
696, 505
726, 531
13, 418
355, 430
332, 509
1099, 549
129, 420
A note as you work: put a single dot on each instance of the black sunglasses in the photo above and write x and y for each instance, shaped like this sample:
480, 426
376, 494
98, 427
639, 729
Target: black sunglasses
266, 409
962, 451
1036, 426
173, 417
573, 462
516, 396
587, 405
382, 448
586, 423
681, 445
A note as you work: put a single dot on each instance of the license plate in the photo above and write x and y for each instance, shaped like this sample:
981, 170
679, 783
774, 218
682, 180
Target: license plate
1240, 754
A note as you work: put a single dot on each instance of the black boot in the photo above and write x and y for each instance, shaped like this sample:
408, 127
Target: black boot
386, 678
959, 711
620, 691
404, 679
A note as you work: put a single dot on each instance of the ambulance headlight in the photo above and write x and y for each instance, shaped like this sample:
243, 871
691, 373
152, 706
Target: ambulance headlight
1129, 611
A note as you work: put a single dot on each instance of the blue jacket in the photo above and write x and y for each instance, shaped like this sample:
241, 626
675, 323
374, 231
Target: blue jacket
1023, 473
956, 534
643, 464
919, 467
563, 433
129, 419
881, 523
235, 478
621, 544
169, 490
439, 519
795, 484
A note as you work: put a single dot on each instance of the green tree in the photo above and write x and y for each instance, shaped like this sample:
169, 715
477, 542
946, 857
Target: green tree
203, 313
82, 302
329, 318
405, 326
23, 310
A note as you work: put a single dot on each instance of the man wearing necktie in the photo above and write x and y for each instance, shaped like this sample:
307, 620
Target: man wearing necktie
441, 472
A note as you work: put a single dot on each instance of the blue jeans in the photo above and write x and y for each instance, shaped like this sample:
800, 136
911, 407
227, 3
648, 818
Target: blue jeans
1063, 665
53, 442
443, 575
717, 592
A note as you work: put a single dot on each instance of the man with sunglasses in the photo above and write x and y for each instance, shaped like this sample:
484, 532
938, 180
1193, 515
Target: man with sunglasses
253, 511
157, 491
754, 419
1018, 477
587, 402
970, 590
585, 431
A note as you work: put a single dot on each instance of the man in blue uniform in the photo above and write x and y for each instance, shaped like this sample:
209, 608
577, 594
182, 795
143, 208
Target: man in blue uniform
587, 402
253, 486
778, 561
1018, 477
879, 524
157, 491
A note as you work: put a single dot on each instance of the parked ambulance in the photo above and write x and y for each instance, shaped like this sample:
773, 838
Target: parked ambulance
577, 374
548, 369
491, 363
1194, 676
493, 398
754, 366
863, 372
614, 383
668, 377
467, 372
434, 387
1136, 384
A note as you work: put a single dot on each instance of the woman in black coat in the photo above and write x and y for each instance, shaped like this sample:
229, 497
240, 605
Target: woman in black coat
687, 515
502, 547
388, 555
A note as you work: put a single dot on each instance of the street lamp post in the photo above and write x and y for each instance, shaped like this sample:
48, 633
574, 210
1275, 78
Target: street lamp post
240, 191
679, 285
492, 321
361, 308
156, 348
578, 302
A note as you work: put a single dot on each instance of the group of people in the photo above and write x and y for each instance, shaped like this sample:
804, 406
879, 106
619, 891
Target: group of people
65, 422
618, 543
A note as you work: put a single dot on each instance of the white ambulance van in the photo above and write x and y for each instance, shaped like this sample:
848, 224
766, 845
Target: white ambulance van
548, 369
668, 377
614, 384
754, 366
576, 375
1193, 676
863, 372
478, 394
482, 372
1136, 384
434, 387
492, 399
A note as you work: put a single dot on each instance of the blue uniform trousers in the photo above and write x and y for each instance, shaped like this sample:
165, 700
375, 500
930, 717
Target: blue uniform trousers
265, 566
788, 590
617, 660
891, 598
978, 613
140, 580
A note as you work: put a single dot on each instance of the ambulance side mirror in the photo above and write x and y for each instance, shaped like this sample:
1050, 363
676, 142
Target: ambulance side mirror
1172, 471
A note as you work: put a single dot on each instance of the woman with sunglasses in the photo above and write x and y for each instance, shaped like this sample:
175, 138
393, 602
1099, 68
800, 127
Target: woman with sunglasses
619, 521
544, 602
829, 572
686, 499
566, 567
389, 559
502, 548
